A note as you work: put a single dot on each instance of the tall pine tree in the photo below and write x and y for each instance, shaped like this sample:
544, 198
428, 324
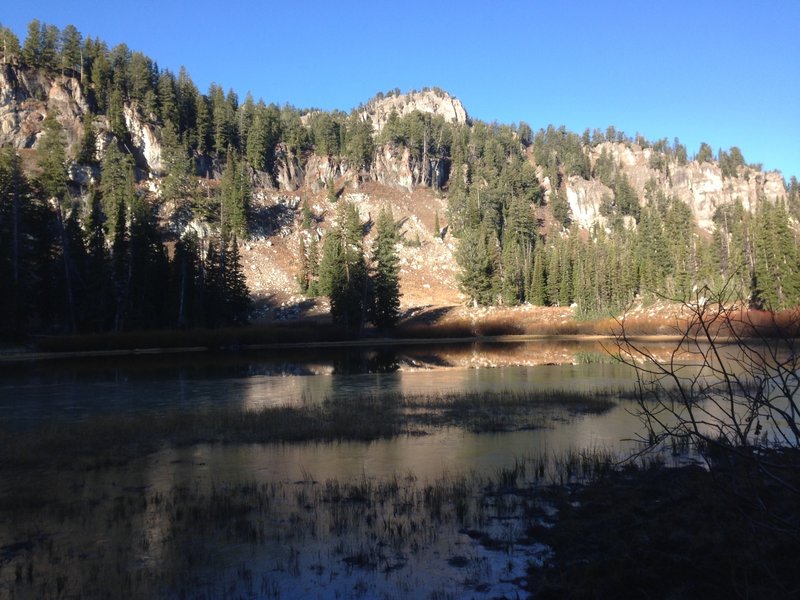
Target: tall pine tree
386, 307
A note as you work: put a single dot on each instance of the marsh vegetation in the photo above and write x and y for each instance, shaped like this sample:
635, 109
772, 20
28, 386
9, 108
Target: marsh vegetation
215, 481
124, 505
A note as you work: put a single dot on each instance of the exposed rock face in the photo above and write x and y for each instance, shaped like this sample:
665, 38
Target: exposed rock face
393, 167
435, 102
146, 142
320, 169
27, 95
700, 185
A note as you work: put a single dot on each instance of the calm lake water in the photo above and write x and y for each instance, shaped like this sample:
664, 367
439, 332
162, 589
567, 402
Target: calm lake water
423, 516
308, 546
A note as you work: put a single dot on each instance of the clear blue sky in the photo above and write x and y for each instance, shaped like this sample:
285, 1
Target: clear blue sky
727, 73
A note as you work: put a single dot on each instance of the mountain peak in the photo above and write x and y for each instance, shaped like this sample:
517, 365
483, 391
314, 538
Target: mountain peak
434, 101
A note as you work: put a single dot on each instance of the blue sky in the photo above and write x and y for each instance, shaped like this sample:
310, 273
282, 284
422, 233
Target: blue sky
727, 73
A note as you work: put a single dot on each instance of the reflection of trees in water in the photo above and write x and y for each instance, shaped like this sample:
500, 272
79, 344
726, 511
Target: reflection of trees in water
356, 362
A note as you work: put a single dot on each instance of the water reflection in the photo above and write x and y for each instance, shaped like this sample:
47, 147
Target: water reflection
137, 519
78, 389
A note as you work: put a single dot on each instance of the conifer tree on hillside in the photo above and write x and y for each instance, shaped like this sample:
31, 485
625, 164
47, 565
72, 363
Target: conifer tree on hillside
235, 198
237, 296
386, 308
116, 186
87, 152
53, 180
477, 269
359, 146
16, 234
179, 184
98, 276
343, 270
32, 48
145, 301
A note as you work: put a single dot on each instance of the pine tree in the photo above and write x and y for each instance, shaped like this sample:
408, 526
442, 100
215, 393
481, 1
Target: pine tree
554, 273
560, 207
213, 277
386, 310
101, 75
477, 270
331, 194
235, 199
166, 88
237, 296
119, 264
179, 184
312, 289
360, 146
99, 295
147, 271
537, 294
116, 186
53, 159
330, 261
33, 46
9, 44
304, 272
116, 118
16, 272
203, 123
185, 308
71, 55
87, 154
342, 270
49, 47
53, 163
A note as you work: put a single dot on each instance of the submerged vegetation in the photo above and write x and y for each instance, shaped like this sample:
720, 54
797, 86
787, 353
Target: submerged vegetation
209, 538
116, 439
182, 503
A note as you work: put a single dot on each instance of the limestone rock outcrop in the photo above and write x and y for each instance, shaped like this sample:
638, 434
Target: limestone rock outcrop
28, 95
701, 186
435, 102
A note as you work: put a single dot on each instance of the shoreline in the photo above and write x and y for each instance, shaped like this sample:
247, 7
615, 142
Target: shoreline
36, 356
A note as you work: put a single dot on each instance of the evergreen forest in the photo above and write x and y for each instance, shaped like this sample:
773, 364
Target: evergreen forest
102, 251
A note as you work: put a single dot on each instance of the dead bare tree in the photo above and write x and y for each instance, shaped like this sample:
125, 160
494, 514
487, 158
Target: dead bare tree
729, 389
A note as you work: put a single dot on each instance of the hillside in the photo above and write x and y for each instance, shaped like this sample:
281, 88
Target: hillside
544, 208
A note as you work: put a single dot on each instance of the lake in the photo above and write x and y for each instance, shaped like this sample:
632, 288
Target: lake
407, 515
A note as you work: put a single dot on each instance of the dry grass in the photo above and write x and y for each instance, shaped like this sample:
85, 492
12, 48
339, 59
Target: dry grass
443, 323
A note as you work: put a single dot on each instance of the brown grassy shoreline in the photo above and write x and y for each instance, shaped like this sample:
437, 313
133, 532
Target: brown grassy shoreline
428, 327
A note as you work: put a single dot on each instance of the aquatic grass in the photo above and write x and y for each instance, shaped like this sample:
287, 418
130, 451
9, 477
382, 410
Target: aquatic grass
202, 538
115, 439
502, 410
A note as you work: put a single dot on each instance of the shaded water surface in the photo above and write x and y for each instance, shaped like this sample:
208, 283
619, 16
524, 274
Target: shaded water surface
414, 515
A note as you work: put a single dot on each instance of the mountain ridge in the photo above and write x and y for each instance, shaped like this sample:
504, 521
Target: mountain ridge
407, 166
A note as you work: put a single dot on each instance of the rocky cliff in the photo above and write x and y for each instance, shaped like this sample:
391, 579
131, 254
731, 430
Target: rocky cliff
433, 101
415, 191
27, 95
702, 186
